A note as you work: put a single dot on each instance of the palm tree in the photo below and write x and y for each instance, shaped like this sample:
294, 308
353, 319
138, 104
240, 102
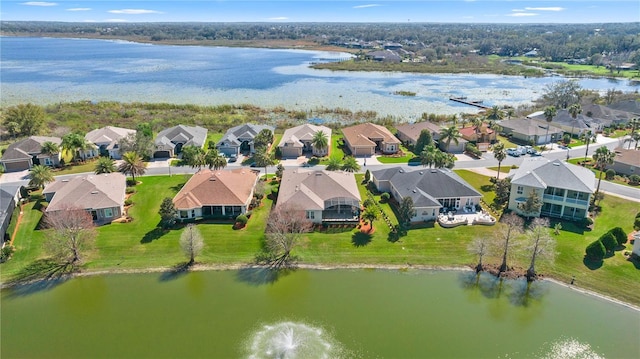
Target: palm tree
574, 111
215, 160
105, 165
428, 156
370, 214
262, 158
495, 113
132, 164
75, 143
477, 125
549, 113
350, 164
320, 141
49, 148
334, 163
450, 134
589, 137
40, 175
603, 157
499, 154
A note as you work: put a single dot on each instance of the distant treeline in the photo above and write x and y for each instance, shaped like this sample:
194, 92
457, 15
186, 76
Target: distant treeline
556, 42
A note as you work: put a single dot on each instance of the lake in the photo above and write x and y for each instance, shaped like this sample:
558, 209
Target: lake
312, 314
51, 70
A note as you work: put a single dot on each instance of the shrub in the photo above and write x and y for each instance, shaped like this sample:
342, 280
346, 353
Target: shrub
131, 182
596, 251
634, 179
620, 235
242, 219
128, 202
130, 190
6, 253
610, 174
609, 241
368, 202
385, 197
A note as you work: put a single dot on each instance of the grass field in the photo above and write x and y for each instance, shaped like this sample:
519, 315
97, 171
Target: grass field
140, 244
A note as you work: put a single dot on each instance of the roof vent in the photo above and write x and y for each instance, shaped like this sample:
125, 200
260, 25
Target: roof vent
556, 164
212, 178
65, 180
414, 191
318, 173
421, 172
94, 192
434, 171
401, 171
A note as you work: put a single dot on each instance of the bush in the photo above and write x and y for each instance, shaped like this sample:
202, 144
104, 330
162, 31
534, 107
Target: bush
634, 179
368, 202
596, 251
128, 202
6, 253
609, 241
130, 190
131, 182
242, 219
620, 235
610, 174
385, 197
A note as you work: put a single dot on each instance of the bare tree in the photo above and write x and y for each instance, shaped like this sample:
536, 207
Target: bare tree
191, 243
73, 233
540, 244
512, 226
286, 226
479, 247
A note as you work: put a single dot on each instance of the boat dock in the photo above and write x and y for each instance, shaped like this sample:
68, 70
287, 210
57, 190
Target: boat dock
464, 100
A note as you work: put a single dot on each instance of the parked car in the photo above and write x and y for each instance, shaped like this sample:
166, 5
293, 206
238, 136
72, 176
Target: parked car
536, 153
513, 152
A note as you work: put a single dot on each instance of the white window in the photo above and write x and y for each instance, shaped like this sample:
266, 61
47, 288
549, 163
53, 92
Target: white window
520, 190
311, 215
108, 212
48, 162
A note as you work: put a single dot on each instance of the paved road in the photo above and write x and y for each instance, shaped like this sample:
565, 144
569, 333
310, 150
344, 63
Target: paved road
487, 160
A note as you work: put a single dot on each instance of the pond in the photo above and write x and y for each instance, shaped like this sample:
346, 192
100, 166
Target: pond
312, 314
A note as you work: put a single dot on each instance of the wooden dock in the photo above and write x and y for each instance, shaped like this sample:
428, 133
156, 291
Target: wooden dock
464, 100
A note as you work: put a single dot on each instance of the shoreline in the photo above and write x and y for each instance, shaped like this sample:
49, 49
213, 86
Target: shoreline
308, 266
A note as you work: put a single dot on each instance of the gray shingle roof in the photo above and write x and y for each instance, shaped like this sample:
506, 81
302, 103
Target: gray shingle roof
192, 135
88, 191
426, 186
542, 173
247, 131
28, 147
309, 189
305, 132
528, 127
108, 134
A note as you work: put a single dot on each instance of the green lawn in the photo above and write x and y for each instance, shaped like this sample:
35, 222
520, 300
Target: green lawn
80, 167
408, 155
335, 150
140, 244
618, 180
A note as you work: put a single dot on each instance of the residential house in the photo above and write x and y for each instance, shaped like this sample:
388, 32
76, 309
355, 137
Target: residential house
216, 194
170, 141
563, 188
410, 132
367, 138
106, 140
630, 106
527, 131
453, 147
9, 199
24, 154
325, 196
384, 56
606, 116
299, 140
626, 162
563, 120
636, 247
101, 195
240, 139
475, 135
432, 190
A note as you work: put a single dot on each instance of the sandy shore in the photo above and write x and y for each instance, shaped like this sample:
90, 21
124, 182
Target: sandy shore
211, 267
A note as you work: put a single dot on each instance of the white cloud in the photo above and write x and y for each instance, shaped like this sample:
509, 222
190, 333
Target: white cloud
366, 6
279, 18
134, 11
39, 3
79, 9
114, 20
556, 8
522, 14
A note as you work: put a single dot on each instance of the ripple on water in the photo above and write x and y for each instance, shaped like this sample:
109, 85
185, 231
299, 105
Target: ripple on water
570, 349
291, 340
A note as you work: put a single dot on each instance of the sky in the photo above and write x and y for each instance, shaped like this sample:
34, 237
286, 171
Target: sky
431, 11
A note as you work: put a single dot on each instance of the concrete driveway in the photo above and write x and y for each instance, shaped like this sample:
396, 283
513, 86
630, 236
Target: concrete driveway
14, 176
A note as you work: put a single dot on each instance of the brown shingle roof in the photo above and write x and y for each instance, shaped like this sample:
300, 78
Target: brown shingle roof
215, 188
88, 191
309, 189
412, 130
628, 157
362, 134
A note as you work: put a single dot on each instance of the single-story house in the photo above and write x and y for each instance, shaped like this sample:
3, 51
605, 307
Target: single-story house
9, 199
298, 140
106, 140
24, 154
240, 139
527, 131
606, 115
626, 162
483, 135
367, 138
410, 132
101, 195
453, 146
563, 188
384, 56
630, 106
216, 193
325, 196
170, 141
563, 119
432, 190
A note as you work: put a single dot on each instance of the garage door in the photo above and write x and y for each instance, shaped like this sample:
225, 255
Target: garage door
161, 154
360, 151
16, 166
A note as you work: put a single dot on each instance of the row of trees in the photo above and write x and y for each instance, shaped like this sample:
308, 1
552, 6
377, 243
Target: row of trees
535, 245
606, 244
